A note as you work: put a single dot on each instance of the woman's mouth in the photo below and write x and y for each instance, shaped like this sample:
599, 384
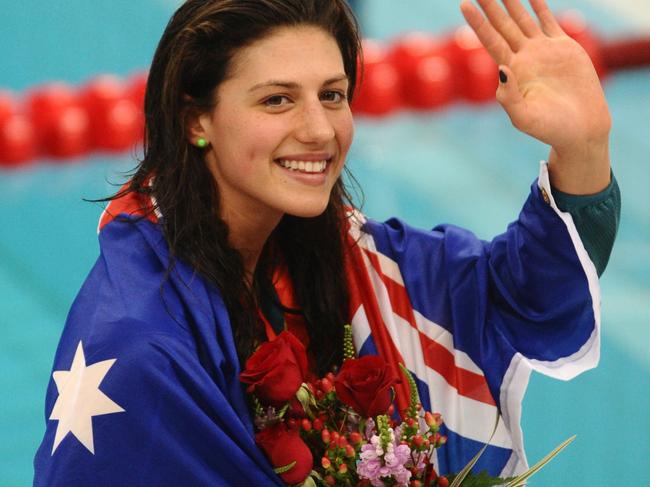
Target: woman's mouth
307, 167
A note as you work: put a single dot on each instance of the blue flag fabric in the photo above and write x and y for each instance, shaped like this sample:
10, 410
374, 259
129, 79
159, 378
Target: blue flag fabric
145, 387
185, 419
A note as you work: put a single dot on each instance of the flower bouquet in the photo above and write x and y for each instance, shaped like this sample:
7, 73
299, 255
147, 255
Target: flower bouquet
342, 429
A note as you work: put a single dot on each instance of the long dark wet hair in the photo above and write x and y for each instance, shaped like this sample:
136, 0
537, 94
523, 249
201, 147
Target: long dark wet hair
192, 59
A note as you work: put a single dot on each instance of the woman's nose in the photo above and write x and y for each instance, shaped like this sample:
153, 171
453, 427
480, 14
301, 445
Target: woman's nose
315, 126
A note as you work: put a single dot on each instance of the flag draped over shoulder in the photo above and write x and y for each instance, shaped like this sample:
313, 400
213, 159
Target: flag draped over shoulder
169, 366
145, 387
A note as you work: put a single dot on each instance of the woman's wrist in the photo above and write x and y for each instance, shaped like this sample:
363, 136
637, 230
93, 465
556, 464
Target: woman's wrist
582, 169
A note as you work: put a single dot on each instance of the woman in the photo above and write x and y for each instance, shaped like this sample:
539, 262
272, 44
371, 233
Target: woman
237, 225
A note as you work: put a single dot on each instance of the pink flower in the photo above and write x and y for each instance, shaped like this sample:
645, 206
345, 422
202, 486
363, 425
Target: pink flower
376, 463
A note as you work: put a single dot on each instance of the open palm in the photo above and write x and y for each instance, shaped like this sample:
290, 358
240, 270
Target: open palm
552, 90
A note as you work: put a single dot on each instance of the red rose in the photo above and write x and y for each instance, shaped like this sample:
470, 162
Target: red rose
283, 447
276, 370
365, 384
295, 408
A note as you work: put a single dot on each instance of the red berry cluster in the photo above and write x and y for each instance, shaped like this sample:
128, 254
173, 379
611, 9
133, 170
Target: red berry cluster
438, 482
422, 441
60, 121
338, 445
322, 387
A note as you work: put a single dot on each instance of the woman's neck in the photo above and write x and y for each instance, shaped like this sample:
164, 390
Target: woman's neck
248, 233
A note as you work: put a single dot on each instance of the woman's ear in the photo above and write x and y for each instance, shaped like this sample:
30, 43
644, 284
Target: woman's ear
195, 127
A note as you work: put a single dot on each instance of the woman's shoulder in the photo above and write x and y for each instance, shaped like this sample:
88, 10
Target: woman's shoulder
130, 204
396, 236
135, 289
126, 300
131, 238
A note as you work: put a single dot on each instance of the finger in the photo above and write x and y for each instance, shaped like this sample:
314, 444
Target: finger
546, 18
511, 99
522, 18
503, 24
495, 45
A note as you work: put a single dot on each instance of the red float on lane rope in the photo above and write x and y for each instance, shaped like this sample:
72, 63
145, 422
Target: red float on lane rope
379, 88
8, 105
135, 91
17, 143
424, 65
475, 72
115, 121
418, 71
61, 124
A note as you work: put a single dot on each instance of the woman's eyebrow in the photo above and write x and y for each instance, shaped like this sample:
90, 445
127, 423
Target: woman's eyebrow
292, 85
342, 77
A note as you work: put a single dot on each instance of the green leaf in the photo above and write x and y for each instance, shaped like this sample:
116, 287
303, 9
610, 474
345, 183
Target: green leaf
318, 479
481, 480
468, 468
283, 411
286, 468
257, 405
309, 482
306, 399
521, 480
316, 475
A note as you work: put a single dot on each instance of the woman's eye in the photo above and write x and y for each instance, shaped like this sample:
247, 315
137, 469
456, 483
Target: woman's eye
276, 101
333, 96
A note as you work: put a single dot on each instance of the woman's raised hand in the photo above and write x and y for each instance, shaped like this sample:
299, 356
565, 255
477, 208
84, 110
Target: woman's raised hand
549, 89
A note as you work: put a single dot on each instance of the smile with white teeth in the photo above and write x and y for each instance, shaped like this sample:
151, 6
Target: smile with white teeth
304, 166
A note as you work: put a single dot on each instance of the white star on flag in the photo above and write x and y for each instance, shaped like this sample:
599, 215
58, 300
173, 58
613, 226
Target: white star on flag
80, 399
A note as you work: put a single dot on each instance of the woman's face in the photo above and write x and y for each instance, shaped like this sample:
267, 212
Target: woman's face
281, 127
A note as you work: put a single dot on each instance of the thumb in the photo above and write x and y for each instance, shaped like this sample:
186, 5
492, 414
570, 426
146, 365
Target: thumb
510, 98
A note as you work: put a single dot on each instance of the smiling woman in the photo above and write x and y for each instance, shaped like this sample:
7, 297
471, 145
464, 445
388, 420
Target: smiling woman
279, 133
275, 91
237, 227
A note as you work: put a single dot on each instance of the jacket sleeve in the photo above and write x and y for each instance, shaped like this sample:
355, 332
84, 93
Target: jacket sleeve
597, 218
531, 294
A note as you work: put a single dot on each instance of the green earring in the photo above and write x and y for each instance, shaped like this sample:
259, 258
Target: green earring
201, 143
